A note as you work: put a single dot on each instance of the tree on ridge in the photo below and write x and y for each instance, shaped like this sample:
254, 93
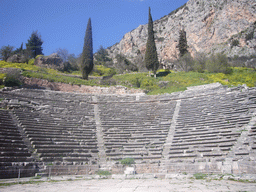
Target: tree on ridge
87, 54
151, 59
35, 44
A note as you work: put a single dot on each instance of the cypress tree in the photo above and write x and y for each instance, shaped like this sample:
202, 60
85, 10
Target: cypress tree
87, 54
151, 60
183, 45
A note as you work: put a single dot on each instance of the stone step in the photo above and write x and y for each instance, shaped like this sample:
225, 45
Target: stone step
182, 156
65, 155
204, 142
15, 154
76, 159
17, 145
52, 146
12, 149
242, 153
11, 139
15, 159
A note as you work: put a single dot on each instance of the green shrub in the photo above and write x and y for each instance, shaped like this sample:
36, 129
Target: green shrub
2, 77
234, 43
200, 175
39, 56
100, 70
163, 73
136, 82
199, 62
12, 78
249, 36
145, 83
218, 64
185, 63
103, 173
127, 161
124, 65
31, 61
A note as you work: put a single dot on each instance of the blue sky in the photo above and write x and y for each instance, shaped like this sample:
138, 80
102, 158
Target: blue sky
62, 23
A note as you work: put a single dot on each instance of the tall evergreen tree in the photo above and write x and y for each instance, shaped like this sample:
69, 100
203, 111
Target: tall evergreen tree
151, 60
183, 45
87, 54
35, 44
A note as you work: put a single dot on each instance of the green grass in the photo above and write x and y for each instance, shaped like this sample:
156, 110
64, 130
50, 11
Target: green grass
127, 161
32, 181
103, 173
60, 78
181, 80
23, 66
241, 180
100, 70
24, 182
200, 175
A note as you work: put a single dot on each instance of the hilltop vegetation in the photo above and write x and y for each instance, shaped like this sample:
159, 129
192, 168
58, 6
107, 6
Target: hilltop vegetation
166, 81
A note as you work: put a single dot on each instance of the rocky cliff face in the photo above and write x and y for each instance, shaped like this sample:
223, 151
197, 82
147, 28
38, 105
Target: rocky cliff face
212, 26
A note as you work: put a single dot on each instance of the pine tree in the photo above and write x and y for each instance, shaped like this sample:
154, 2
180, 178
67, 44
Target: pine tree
35, 44
183, 45
87, 54
151, 60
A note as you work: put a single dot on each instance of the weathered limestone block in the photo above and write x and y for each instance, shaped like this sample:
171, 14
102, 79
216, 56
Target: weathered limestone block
52, 61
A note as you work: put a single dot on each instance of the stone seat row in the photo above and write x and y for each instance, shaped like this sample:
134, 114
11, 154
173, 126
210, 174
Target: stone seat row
222, 131
136, 157
55, 134
67, 150
204, 142
61, 128
224, 123
21, 159
209, 138
80, 159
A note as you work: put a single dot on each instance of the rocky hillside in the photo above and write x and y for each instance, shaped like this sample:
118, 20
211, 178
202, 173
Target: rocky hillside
212, 26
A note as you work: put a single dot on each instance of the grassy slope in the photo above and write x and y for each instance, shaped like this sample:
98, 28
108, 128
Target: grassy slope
180, 81
166, 84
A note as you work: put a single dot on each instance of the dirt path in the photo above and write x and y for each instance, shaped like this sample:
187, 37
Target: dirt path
133, 185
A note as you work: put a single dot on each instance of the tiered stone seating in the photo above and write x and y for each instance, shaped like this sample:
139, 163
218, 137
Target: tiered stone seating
208, 127
203, 127
134, 129
62, 129
247, 147
14, 153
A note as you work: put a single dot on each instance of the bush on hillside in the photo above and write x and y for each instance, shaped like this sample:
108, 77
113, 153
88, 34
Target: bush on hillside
124, 65
31, 61
100, 70
235, 43
199, 62
218, 64
2, 77
249, 36
185, 63
12, 78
